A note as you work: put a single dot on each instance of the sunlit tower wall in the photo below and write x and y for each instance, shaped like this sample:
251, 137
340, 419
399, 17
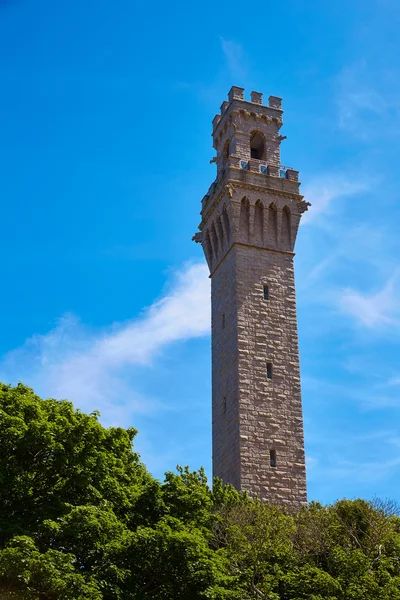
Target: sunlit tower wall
250, 218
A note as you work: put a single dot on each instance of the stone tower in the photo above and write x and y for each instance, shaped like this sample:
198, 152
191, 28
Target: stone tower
250, 217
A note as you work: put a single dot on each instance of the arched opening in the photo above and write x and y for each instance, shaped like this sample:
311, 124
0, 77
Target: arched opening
226, 224
286, 229
207, 248
272, 225
214, 240
225, 152
259, 222
257, 145
244, 223
224, 157
220, 232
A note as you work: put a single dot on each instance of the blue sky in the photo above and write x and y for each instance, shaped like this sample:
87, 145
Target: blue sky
105, 119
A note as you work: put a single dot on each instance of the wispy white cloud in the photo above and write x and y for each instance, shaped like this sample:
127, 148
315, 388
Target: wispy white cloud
91, 368
363, 111
373, 310
358, 244
370, 393
360, 471
234, 69
311, 463
323, 190
351, 458
234, 57
355, 102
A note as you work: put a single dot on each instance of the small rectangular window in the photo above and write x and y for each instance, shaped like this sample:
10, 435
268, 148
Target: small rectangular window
224, 404
272, 458
269, 370
223, 321
266, 292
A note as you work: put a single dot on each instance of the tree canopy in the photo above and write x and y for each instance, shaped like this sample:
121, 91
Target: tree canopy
81, 518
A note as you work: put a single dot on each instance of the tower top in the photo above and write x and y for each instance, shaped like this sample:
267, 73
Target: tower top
236, 95
246, 137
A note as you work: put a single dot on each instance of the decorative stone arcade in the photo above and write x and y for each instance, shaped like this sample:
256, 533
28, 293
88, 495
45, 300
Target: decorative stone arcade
250, 218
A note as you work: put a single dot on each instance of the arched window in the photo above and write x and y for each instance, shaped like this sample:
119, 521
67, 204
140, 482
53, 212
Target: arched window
220, 232
214, 240
272, 234
207, 248
257, 145
259, 222
226, 150
225, 153
245, 219
227, 225
286, 229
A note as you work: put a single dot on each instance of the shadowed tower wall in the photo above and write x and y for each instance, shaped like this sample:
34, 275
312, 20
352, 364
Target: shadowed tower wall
250, 218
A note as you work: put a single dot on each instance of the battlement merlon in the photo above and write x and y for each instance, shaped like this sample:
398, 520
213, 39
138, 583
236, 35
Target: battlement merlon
237, 100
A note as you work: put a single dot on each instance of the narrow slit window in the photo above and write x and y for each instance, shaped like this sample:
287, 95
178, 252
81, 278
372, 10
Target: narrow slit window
224, 404
269, 370
272, 458
223, 321
266, 292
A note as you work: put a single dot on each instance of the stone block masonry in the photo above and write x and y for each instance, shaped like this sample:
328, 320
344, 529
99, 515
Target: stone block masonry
250, 219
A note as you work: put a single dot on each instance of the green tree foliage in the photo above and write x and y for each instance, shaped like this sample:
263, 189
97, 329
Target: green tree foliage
82, 519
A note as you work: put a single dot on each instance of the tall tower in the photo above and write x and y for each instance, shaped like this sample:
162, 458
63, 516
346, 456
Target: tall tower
250, 217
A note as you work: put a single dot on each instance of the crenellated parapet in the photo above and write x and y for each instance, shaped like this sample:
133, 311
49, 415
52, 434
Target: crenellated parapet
252, 172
